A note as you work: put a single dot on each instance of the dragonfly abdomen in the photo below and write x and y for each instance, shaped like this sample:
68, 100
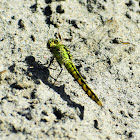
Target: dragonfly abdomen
74, 72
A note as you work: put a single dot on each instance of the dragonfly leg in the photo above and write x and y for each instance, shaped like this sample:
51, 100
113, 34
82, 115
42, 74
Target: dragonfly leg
59, 36
51, 61
55, 79
59, 73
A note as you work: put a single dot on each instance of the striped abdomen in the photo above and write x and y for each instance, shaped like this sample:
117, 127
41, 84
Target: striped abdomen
74, 72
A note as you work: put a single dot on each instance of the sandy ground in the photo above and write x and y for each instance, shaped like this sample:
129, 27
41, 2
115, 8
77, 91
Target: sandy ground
107, 54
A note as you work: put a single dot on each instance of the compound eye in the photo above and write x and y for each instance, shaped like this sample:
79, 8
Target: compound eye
56, 41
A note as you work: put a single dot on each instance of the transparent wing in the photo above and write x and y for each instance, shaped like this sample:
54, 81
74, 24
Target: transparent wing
105, 30
92, 38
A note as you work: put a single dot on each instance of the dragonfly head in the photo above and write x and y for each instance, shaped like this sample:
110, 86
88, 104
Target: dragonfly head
53, 43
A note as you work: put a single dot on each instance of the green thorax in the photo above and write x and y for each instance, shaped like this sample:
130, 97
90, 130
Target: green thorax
59, 51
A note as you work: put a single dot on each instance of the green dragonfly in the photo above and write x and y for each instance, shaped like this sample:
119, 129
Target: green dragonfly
63, 56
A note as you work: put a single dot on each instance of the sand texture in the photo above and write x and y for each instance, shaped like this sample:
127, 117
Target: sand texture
103, 37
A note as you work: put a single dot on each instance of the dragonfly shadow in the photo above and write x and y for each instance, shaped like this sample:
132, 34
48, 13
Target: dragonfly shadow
39, 71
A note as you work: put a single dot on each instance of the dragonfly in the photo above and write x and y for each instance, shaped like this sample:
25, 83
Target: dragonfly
63, 56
